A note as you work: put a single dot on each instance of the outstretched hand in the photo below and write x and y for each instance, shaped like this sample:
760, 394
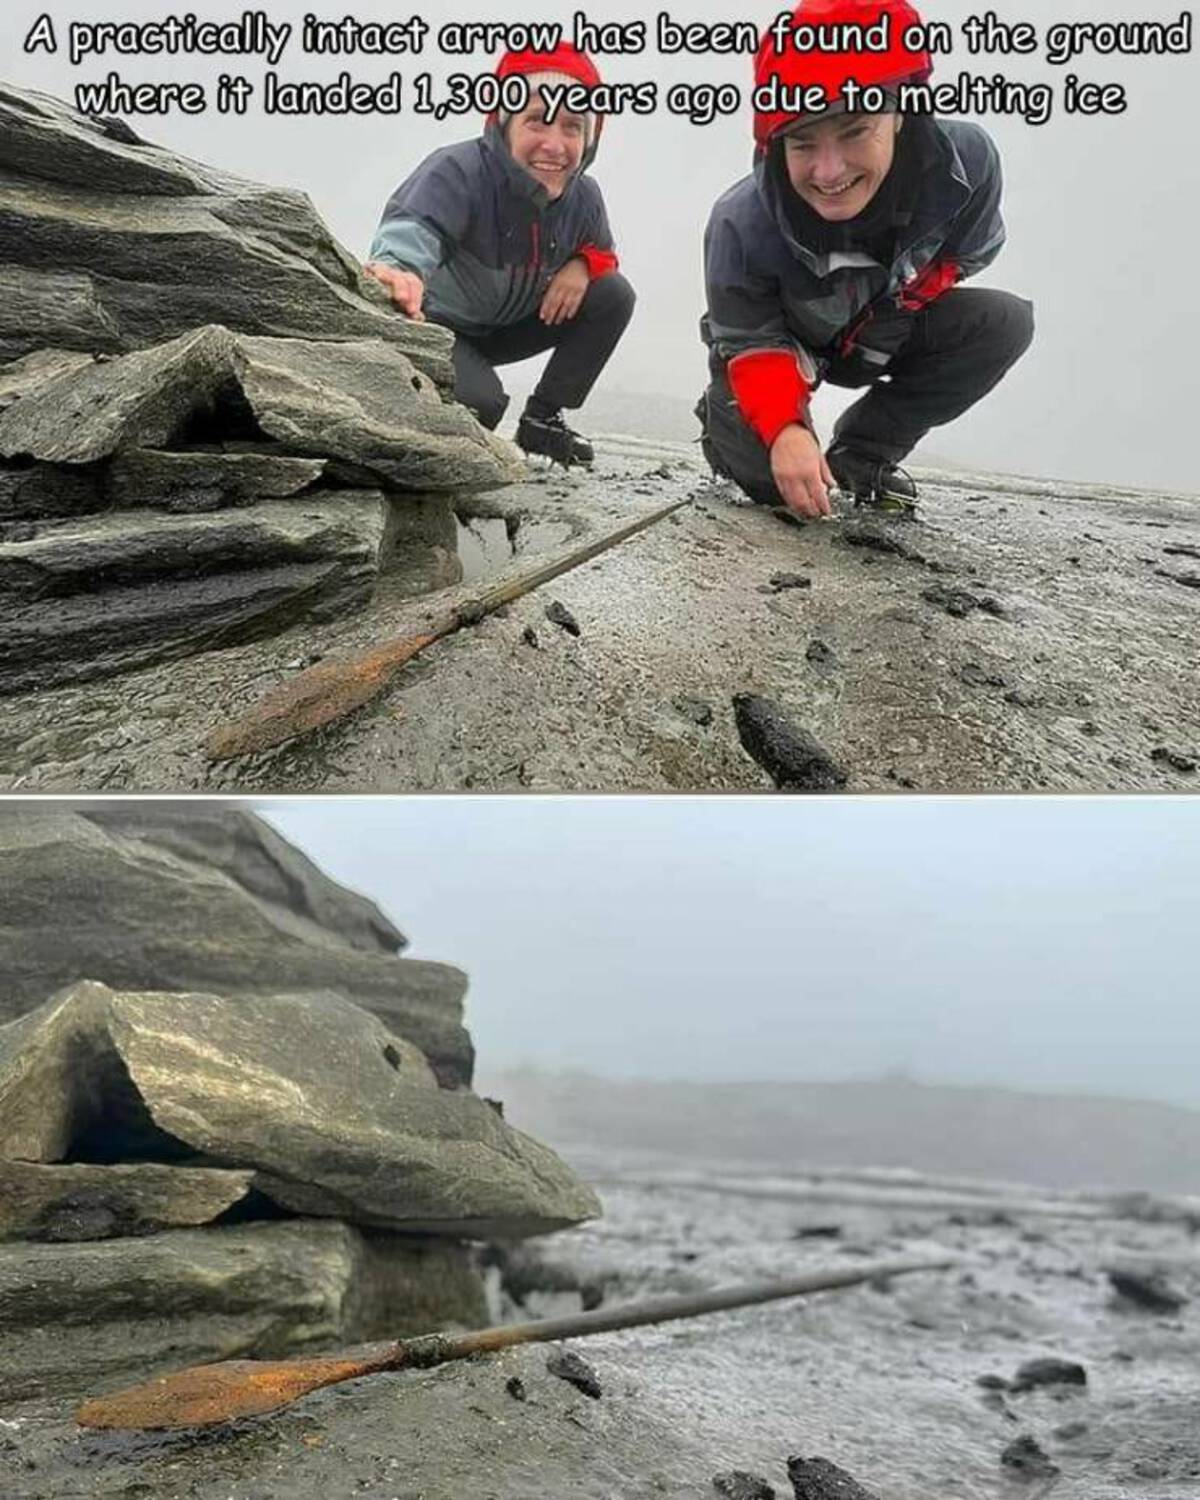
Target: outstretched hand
565, 294
406, 287
800, 472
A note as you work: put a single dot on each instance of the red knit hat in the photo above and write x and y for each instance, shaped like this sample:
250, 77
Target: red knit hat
565, 64
796, 70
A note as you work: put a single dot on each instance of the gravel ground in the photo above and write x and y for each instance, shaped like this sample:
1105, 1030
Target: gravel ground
883, 1381
1023, 635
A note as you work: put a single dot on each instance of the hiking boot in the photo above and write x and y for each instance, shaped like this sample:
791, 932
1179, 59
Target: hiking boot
553, 439
872, 481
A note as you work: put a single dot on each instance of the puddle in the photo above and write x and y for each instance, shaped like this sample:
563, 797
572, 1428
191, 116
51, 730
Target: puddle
430, 547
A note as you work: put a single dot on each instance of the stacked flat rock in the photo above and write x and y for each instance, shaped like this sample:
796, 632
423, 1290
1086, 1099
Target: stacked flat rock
233, 1145
208, 415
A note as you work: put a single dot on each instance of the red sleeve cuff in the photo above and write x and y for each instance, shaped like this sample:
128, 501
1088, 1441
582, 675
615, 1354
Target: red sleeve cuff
928, 285
770, 389
598, 262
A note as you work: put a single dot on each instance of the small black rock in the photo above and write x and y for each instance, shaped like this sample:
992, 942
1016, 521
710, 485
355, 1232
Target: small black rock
820, 654
568, 1366
1049, 1371
515, 1387
991, 1382
1148, 1289
738, 1485
780, 581
957, 602
530, 636
1173, 758
559, 614
818, 1479
1026, 1458
791, 757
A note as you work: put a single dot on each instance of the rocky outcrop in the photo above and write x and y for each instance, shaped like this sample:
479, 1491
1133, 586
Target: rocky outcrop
89, 897
208, 416
93, 1317
336, 1115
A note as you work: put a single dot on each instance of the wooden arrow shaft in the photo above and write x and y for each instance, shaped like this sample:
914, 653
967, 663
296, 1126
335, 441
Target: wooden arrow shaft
330, 690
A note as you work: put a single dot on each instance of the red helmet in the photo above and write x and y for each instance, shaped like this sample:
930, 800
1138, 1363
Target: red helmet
795, 69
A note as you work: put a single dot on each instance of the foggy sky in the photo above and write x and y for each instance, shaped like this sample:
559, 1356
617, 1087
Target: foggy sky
1102, 216
1042, 944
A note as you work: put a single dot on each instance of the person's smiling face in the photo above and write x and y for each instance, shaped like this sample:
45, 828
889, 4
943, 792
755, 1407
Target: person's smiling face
550, 153
838, 165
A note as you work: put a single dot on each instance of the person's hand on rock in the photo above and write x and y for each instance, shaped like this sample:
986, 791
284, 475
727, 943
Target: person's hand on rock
800, 472
406, 287
565, 294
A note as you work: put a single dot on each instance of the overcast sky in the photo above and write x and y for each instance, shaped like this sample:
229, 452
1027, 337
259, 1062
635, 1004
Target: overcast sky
1043, 944
1102, 213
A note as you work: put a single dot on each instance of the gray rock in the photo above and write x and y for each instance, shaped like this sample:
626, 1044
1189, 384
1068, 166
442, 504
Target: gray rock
204, 481
737, 1484
362, 401
297, 895
79, 900
82, 1319
1147, 1287
87, 1202
130, 587
339, 1117
789, 753
167, 244
818, 1479
1048, 1371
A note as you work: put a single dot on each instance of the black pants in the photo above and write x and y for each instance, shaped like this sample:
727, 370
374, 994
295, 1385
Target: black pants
954, 353
582, 347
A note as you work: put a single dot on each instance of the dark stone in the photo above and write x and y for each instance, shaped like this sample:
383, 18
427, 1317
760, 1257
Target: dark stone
696, 709
820, 654
568, 1366
1183, 551
530, 636
738, 1485
789, 754
1148, 1289
779, 582
1173, 758
43, 491
1025, 1457
957, 602
976, 676
991, 1382
817, 1232
558, 614
1188, 580
873, 538
515, 1387
818, 1479
1048, 1371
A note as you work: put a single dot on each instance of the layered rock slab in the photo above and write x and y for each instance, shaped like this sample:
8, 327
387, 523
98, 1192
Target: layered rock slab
338, 1116
157, 244
296, 892
80, 898
88, 1202
84, 1318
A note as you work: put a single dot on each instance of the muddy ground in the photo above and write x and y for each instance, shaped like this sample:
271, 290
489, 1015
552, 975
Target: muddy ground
883, 1381
1023, 635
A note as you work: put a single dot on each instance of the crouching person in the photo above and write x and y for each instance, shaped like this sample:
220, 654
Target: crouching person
839, 259
505, 240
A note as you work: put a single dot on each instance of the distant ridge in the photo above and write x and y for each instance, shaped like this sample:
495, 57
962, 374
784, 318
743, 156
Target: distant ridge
1048, 1140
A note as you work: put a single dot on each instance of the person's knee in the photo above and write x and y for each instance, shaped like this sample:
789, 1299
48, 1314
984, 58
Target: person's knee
1007, 320
610, 296
489, 408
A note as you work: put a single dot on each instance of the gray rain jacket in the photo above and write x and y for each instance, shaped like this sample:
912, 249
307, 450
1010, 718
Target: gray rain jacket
768, 291
485, 237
